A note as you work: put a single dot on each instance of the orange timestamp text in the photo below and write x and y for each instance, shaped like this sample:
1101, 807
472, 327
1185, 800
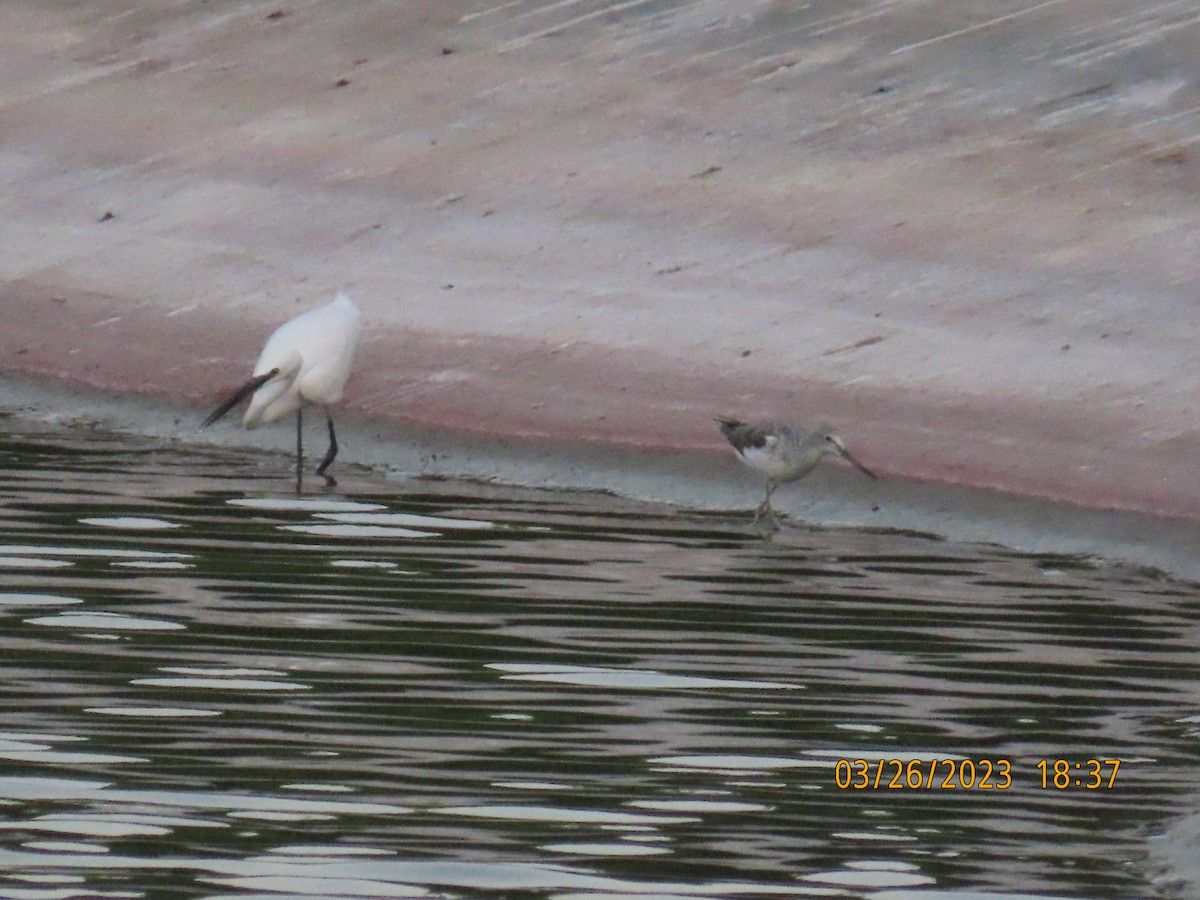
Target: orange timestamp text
969, 774
923, 774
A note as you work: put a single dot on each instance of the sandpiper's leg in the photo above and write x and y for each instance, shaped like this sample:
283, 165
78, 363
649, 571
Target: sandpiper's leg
330, 454
764, 508
299, 450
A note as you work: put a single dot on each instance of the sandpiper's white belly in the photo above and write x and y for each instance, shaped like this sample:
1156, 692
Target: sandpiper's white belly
767, 460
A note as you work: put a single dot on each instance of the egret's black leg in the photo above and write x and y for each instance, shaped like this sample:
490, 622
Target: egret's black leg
299, 450
330, 454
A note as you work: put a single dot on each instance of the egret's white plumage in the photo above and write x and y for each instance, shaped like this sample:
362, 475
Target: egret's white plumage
314, 353
306, 360
782, 452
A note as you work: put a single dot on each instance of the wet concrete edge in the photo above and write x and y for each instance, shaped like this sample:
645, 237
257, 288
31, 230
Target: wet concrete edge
694, 480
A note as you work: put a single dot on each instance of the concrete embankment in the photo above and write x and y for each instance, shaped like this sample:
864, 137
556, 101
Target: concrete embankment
578, 231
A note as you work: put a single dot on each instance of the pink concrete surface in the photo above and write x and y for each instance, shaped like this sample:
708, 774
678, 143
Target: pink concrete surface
966, 234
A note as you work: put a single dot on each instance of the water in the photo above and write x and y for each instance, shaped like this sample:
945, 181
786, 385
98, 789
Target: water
213, 689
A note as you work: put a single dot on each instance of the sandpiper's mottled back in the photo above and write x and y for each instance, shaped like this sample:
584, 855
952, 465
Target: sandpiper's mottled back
782, 452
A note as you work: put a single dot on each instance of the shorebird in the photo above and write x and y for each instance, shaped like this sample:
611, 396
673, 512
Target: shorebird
782, 453
305, 360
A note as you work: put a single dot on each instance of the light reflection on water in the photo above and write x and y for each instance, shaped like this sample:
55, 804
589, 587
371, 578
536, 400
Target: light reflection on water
439, 689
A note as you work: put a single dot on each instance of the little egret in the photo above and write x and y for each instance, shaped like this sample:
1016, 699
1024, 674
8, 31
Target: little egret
782, 453
306, 360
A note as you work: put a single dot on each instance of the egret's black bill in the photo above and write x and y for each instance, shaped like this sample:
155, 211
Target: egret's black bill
238, 396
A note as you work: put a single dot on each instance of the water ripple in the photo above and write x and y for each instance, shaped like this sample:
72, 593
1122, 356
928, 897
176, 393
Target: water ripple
433, 688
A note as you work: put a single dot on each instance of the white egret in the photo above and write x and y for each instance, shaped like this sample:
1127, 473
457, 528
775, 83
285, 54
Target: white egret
306, 360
